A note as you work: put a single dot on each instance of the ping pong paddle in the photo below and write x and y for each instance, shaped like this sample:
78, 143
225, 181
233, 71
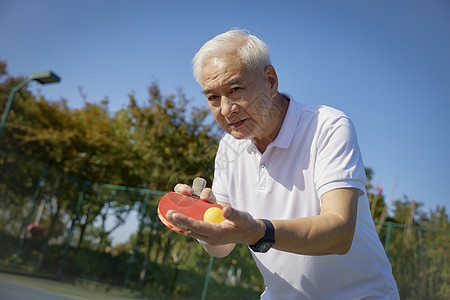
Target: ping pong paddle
190, 206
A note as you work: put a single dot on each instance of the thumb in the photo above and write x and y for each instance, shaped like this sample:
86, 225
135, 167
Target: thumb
240, 218
249, 230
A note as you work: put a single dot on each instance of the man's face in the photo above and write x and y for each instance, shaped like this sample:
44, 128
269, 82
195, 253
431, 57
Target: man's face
241, 99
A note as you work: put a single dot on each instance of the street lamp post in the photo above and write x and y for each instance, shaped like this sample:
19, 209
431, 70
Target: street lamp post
43, 77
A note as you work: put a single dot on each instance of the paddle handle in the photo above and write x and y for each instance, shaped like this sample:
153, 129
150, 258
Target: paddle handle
198, 185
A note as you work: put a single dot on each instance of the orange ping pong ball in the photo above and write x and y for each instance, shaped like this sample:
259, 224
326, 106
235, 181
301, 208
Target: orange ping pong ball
213, 215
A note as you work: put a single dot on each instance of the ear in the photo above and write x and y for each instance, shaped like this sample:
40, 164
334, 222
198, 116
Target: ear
272, 78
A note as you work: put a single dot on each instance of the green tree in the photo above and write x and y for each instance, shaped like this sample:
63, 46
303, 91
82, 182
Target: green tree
169, 143
420, 257
378, 207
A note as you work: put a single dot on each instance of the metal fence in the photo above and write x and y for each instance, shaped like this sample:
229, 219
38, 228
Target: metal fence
60, 226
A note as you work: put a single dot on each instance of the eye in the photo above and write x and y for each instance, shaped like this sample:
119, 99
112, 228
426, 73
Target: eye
235, 89
212, 98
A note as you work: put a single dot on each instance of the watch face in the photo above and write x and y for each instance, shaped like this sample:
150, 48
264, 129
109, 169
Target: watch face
261, 247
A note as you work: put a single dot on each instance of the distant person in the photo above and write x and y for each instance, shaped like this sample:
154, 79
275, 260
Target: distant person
291, 179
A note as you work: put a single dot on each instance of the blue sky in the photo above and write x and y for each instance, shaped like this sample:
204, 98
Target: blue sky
385, 63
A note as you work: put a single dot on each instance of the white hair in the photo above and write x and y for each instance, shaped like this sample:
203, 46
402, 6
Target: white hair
253, 52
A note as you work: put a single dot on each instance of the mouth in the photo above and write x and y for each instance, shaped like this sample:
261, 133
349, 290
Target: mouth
237, 125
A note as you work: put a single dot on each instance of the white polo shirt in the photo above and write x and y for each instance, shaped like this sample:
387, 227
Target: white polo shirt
315, 151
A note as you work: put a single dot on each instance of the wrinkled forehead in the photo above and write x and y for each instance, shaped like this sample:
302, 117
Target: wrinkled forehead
221, 66
224, 61
218, 62
224, 66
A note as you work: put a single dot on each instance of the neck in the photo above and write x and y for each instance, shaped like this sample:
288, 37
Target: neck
281, 104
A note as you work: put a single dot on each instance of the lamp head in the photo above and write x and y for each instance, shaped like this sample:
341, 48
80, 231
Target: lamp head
45, 77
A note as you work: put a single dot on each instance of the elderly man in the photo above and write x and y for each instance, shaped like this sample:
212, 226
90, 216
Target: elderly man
291, 179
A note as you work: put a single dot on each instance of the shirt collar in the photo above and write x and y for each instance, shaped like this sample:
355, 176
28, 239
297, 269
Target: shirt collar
290, 122
288, 128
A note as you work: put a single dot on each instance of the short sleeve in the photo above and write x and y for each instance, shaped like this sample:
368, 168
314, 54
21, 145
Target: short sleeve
338, 163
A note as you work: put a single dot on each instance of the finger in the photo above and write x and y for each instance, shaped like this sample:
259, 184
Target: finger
183, 189
177, 220
169, 216
190, 226
183, 222
208, 195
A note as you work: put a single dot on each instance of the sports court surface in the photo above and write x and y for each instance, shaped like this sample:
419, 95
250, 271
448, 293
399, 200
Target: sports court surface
19, 287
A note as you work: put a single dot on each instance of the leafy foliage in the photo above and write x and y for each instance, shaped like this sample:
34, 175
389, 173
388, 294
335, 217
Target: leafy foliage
168, 145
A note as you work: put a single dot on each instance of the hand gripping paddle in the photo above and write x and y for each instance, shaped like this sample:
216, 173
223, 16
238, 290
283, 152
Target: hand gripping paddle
190, 206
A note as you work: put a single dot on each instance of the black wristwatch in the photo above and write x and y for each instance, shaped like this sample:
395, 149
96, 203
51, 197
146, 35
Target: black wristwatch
264, 244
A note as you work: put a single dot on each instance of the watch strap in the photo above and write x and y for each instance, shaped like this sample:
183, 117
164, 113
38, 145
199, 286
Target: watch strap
264, 244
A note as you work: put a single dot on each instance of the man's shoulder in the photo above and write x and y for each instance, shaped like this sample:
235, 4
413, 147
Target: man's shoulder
322, 115
322, 110
310, 110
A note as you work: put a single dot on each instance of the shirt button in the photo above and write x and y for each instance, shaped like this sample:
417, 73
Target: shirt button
262, 165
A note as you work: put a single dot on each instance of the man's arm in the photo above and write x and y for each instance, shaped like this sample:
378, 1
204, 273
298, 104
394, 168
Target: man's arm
331, 232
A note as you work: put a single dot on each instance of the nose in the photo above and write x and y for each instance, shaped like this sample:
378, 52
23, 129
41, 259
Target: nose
228, 107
